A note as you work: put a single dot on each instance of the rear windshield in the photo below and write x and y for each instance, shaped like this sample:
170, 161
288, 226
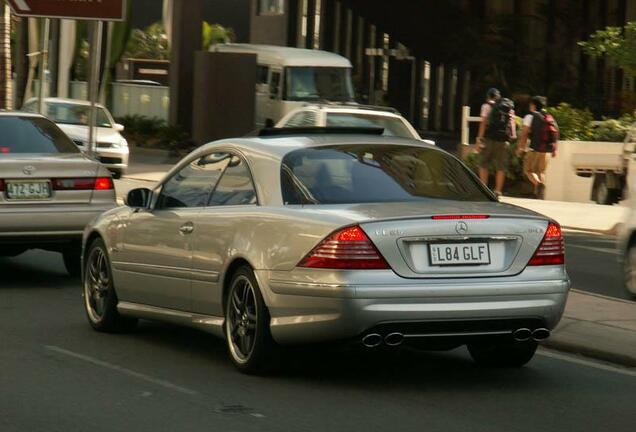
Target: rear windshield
33, 135
392, 126
349, 174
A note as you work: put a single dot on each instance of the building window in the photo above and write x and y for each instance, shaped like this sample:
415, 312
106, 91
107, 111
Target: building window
271, 7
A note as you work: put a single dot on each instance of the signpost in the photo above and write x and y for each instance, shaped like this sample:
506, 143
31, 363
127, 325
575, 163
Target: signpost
96, 10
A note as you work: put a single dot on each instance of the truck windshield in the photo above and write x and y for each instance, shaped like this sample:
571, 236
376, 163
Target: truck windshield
319, 83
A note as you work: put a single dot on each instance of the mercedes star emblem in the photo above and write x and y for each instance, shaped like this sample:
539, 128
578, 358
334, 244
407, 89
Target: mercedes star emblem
461, 227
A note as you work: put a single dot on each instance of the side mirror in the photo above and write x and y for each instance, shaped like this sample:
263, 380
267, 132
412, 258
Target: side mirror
119, 127
138, 198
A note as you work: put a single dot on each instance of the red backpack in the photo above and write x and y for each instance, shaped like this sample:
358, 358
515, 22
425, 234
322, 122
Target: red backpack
548, 134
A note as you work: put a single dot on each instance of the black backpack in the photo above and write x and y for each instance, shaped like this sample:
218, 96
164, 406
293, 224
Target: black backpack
499, 124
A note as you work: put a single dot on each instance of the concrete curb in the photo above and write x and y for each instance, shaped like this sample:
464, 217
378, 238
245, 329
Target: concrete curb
599, 327
591, 352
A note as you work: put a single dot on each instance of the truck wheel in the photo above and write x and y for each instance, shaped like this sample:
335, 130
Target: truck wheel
603, 195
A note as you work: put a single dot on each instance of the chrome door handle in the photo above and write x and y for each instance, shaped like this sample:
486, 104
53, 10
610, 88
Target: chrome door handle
187, 228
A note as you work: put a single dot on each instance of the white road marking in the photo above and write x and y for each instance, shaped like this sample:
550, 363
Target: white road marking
585, 362
595, 249
121, 369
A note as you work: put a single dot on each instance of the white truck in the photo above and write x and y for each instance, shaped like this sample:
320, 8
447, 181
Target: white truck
609, 170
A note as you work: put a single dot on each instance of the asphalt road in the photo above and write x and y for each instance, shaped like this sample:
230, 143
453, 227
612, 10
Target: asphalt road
57, 374
593, 266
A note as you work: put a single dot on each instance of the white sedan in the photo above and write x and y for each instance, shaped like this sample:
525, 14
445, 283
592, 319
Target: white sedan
72, 117
352, 115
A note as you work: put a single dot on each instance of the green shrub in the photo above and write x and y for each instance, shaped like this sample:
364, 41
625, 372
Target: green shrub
609, 130
574, 124
141, 125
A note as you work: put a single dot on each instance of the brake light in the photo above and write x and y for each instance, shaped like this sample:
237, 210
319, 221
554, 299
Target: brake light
104, 183
88, 183
455, 217
349, 248
551, 251
5, 150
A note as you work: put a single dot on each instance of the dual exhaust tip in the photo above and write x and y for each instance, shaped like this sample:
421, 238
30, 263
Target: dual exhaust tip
525, 334
373, 340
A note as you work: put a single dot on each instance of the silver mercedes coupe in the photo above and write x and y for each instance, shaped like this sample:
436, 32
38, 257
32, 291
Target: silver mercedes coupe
298, 236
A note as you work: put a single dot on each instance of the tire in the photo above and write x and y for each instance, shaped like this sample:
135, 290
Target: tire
100, 299
630, 270
502, 354
73, 260
603, 195
249, 341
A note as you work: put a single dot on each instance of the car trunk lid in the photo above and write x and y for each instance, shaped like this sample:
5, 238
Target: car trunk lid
441, 239
39, 171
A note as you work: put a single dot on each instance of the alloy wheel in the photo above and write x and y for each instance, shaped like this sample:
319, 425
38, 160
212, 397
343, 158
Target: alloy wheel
97, 284
242, 319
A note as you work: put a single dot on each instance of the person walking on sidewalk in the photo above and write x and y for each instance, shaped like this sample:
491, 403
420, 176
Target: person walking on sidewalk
543, 132
496, 129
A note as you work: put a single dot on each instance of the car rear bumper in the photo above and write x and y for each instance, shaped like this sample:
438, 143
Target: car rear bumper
46, 225
311, 312
113, 159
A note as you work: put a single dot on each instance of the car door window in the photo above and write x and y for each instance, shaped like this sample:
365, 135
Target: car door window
235, 186
191, 187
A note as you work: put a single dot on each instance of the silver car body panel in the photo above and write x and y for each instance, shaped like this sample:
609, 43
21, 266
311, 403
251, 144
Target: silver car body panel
162, 274
66, 213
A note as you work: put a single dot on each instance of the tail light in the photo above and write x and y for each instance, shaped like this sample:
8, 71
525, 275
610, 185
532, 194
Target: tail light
455, 217
349, 248
99, 183
551, 251
1, 185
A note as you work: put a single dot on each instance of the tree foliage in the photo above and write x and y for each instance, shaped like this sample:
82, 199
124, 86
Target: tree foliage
617, 43
150, 43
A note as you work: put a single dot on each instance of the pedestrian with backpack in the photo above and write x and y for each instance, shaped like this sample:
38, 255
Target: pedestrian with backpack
543, 132
496, 130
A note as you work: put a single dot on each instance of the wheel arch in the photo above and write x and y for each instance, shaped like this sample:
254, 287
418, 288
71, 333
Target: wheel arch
234, 265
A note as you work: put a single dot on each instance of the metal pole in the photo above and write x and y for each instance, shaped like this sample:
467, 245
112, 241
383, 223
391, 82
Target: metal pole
93, 86
413, 89
44, 51
465, 129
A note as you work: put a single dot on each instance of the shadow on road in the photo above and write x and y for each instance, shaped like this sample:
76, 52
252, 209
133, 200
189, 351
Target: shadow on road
34, 269
346, 366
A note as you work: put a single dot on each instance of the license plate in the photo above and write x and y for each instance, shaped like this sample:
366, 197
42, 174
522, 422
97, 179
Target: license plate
28, 190
443, 254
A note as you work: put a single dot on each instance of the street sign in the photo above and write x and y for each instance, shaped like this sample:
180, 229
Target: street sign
104, 10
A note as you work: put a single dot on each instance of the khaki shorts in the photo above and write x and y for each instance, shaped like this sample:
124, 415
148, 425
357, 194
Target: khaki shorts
535, 162
495, 155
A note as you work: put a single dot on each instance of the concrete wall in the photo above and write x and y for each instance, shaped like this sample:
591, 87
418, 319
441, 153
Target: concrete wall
268, 29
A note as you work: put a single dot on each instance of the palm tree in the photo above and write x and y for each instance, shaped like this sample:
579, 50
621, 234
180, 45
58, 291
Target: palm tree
6, 92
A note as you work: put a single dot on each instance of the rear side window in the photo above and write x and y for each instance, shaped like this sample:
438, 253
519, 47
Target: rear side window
192, 186
348, 174
33, 135
235, 187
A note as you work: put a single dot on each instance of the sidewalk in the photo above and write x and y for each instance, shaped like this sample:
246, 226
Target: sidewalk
578, 216
598, 327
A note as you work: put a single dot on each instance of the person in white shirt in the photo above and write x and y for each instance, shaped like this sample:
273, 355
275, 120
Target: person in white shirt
542, 130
